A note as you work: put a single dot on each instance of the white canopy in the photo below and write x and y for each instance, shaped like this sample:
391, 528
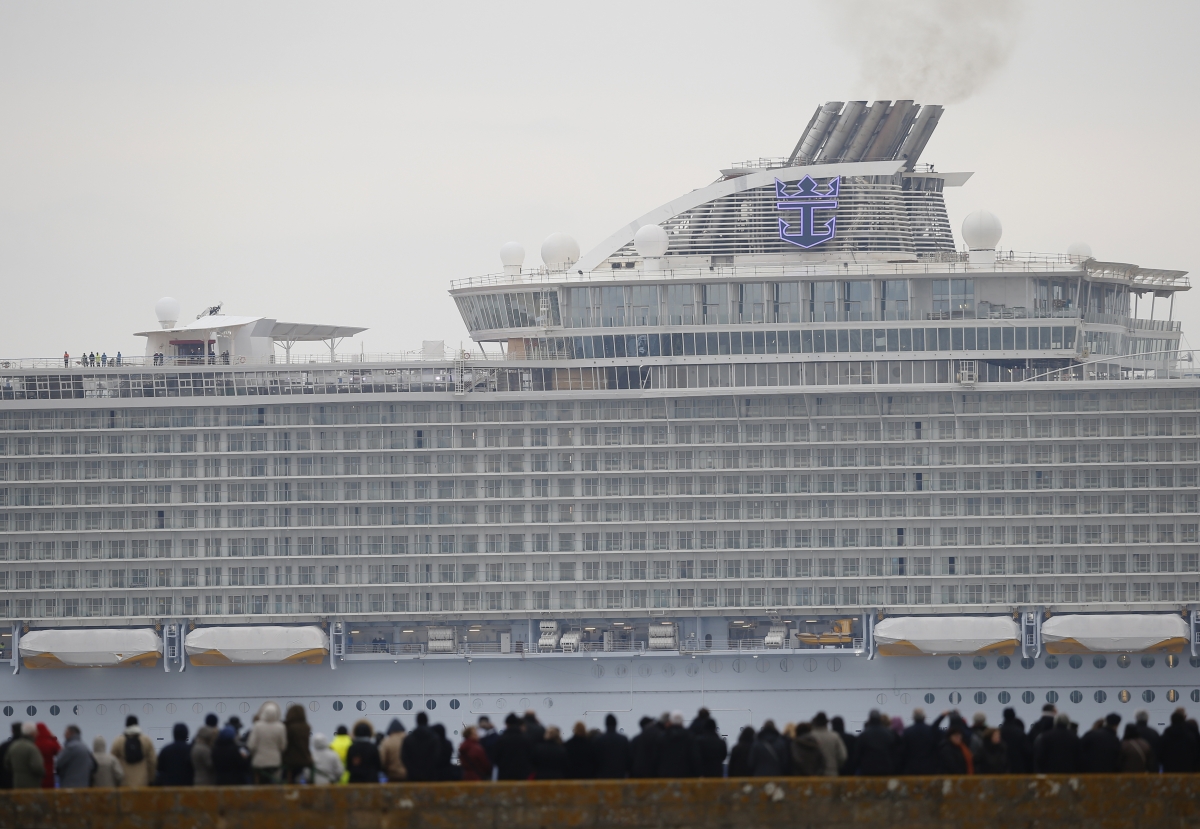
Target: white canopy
266, 645
922, 635
91, 648
1115, 633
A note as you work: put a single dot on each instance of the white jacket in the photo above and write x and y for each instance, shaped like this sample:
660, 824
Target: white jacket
268, 739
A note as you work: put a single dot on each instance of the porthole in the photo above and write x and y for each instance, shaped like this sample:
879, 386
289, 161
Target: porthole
54, 710
1147, 696
170, 708
955, 697
1196, 695
408, 704
668, 670
431, 704
314, 706
1052, 697
1172, 660
149, 709
220, 708
1099, 696
244, 707
361, 705
546, 703
454, 704
1076, 697
8, 710
124, 709
832, 663
1075, 661
101, 709
197, 708
1003, 697
1147, 661
384, 705
1124, 661
476, 704
928, 699
715, 666
1124, 696
31, 711
500, 703
979, 663
880, 698
75, 710
1099, 661
1194, 661
337, 705
980, 697
1172, 695
1027, 697
598, 669
1052, 661
954, 662
1003, 663
1027, 662
622, 670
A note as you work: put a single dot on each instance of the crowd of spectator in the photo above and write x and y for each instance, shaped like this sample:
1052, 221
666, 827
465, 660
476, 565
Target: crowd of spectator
282, 748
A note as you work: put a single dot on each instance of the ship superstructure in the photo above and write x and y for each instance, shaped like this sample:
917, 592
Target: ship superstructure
781, 417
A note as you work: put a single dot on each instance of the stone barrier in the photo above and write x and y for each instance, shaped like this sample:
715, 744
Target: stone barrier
1002, 802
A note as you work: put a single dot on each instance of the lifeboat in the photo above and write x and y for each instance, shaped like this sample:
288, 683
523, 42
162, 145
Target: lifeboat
936, 635
839, 634
91, 648
267, 645
1115, 633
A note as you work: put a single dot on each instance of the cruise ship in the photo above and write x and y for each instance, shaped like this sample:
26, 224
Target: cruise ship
777, 446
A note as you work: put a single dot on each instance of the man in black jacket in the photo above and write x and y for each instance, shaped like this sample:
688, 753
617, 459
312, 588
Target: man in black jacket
1046, 723
175, 761
1100, 748
644, 748
514, 754
613, 757
919, 746
1177, 748
1012, 731
419, 751
677, 754
5, 775
1057, 751
713, 750
875, 748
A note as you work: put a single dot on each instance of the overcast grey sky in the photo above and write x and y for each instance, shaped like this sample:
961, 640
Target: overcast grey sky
341, 163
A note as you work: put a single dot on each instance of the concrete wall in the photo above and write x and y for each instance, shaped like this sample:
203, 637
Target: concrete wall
1047, 802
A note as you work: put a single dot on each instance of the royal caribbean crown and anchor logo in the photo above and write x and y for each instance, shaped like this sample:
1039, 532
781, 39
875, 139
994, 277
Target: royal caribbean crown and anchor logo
805, 201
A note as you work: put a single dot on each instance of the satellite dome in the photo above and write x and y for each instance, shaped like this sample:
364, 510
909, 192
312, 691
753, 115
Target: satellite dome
559, 251
512, 255
167, 311
651, 241
981, 230
1081, 249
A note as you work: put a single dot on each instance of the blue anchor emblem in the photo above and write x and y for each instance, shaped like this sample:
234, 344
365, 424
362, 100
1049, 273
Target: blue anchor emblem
806, 200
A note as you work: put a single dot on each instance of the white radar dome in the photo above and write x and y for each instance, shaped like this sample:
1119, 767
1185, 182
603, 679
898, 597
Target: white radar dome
560, 251
982, 230
167, 311
512, 255
1081, 249
651, 241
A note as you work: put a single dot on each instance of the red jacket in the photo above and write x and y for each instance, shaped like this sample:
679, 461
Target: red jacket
48, 745
474, 761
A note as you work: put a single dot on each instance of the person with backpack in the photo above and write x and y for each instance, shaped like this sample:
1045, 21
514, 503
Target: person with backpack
808, 757
135, 752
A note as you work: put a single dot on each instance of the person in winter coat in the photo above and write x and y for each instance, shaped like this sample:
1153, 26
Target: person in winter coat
849, 740
919, 746
514, 760
48, 745
229, 761
954, 752
1177, 748
175, 761
1100, 748
297, 759
267, 742
390, 751
643, 748
875, 749
1043, 725
581, 754
739, 757
769, 755
1136, 754
419, 751
833, 750
362, 758
550, 756
6, 776
327, 765
614, 754
444, 768
1012, 731
23, 760
341, 744
488, 737
808, 758
1057, 750
135, 752
712, 749
474, 760
533, 730
202, 745
992, 758
677, 754
1148, 733
108, 773
74, 763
